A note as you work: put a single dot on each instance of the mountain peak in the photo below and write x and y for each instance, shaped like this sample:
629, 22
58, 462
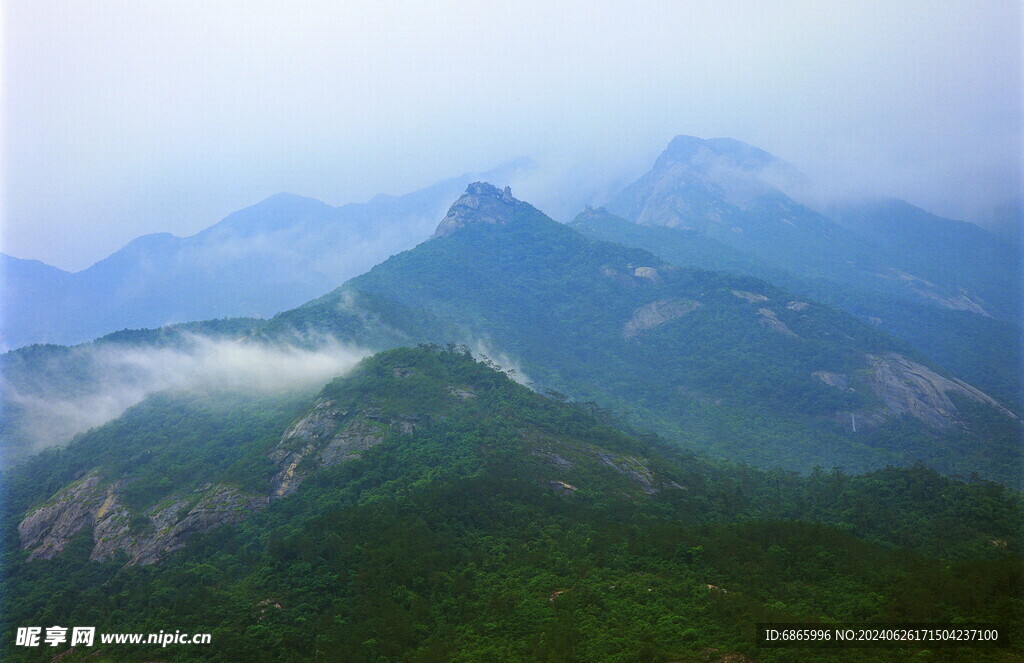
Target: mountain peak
285, 202
482, 203
693, 150
489, 190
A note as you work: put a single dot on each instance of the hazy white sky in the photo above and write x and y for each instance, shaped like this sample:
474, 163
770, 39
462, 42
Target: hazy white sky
123, 117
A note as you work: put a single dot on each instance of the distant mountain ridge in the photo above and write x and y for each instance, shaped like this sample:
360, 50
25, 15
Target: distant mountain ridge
983, 268
734, 193
258, 261
949, 288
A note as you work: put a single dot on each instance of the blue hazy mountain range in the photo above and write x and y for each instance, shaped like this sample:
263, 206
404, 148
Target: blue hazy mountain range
287, 249
256, 262
735, 194
949, 288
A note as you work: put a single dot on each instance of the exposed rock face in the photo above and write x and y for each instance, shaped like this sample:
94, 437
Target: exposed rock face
771, 321
302, 439
46, 530
562, 487
649, 273
329, 435
355, 437
797, 306
837, 380
89, 504
482, 203
627, 275
461, 393
657, 313
958, 301
219, 505
554, 459
907, 387
563, 456
751, 297
631, 467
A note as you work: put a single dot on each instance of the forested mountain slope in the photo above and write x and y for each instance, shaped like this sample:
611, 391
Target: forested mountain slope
426, 507
983, 350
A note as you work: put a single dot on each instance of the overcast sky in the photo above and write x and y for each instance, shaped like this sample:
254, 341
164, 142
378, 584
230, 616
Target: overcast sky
128, 117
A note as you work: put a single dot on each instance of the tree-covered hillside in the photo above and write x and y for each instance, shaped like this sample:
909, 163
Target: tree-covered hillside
982, 350
478, 520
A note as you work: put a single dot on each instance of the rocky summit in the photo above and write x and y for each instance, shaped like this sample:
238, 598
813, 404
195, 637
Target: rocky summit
482, 203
